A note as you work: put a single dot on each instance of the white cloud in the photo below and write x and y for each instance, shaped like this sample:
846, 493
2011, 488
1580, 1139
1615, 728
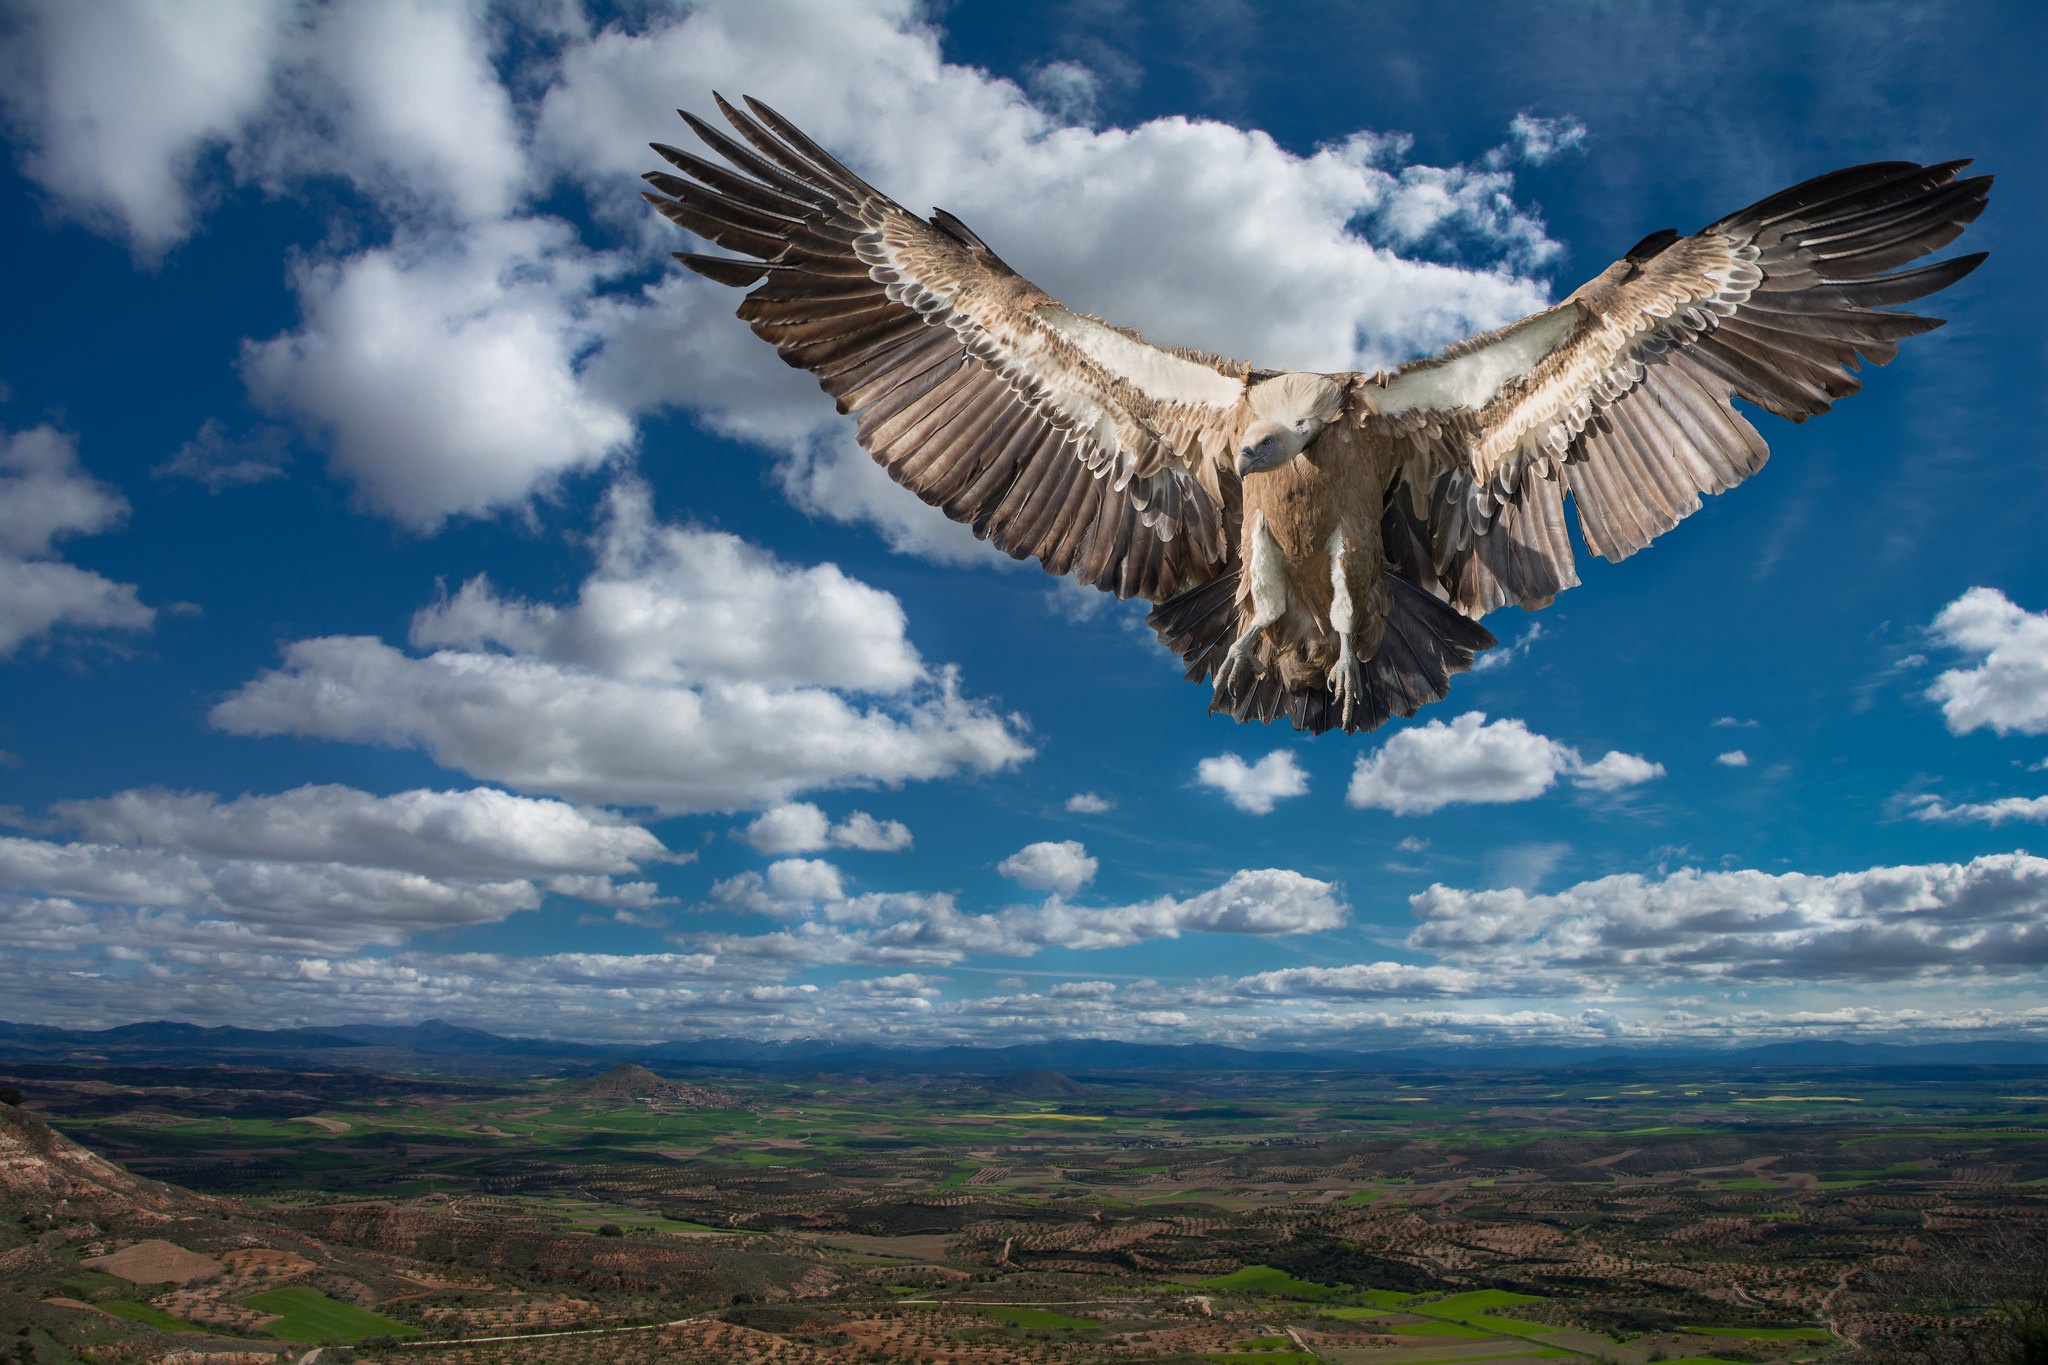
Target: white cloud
443, 371
1734, 758
1615, 770
920, 930
44, 494
804, 881
1088, 803
115, 102
1266, 902
1470, 760
1412, 844
1537, 140
1254, 787
2008, 691
674, 605
1497, 658
800, 827
475, 833
2031, 808
1064, 867
1731, 723
179, 900
577, 702
1986, 916
862, 831
315, 869
1364, 979
792, 827
399, 96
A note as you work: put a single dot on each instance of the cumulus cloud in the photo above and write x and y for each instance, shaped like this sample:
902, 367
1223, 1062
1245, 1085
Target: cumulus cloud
1254, 788
1734, 758
789, 886
115, 103
2008, 691
443, 372
1064, 867
2030, 808
800, 827
692, 673
505, 348
1986, 916
1088, 803
792, 827
862, 831
479, 832
1615, 770
44, 495
1472, 760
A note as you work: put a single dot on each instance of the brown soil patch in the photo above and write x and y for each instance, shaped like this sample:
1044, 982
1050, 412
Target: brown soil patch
267, 1261
155, 1262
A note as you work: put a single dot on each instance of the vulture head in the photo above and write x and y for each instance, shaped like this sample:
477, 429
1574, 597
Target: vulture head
1291, 410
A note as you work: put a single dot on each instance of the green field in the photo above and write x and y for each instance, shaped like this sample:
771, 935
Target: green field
1038, 1319
1512, 1326
309, 1315
147, 1313
1264, 1279
1439, 1329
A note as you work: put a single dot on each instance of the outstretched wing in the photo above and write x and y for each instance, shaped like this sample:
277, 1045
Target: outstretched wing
1620, 395
1054, 435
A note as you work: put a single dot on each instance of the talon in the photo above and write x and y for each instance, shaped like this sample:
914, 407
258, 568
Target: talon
1347, 680
1236, 662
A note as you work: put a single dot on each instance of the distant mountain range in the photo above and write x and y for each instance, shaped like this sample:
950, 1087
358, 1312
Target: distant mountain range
441, 1047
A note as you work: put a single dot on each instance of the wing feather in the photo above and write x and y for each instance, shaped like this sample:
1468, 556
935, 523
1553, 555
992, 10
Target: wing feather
1623, 395
1050, 433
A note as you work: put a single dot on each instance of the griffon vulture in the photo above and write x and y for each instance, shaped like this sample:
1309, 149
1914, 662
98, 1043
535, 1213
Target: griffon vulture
1320, 545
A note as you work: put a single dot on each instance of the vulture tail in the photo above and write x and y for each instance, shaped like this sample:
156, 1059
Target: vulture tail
1199, 624
1427, 640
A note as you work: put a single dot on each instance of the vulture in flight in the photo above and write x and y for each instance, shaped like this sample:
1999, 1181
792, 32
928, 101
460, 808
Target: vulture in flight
1316, 546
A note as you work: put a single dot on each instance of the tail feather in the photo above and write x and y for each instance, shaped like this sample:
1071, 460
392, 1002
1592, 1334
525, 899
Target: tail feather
1426, 641
1199, 624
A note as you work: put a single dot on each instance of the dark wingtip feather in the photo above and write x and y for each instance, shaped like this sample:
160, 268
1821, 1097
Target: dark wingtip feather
1651, 245
724, 269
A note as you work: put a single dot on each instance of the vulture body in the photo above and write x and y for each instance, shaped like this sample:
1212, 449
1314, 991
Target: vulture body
1319, 547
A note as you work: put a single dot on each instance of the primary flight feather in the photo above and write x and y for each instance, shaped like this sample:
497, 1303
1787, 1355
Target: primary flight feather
1319, 546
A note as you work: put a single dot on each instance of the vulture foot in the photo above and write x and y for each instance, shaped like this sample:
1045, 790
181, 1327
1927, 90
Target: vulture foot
1347, 681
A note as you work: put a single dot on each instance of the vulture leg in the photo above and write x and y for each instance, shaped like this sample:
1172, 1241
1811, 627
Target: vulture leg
1347, 680
1269, 604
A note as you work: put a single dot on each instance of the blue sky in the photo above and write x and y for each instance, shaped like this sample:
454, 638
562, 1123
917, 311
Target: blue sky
418, 598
